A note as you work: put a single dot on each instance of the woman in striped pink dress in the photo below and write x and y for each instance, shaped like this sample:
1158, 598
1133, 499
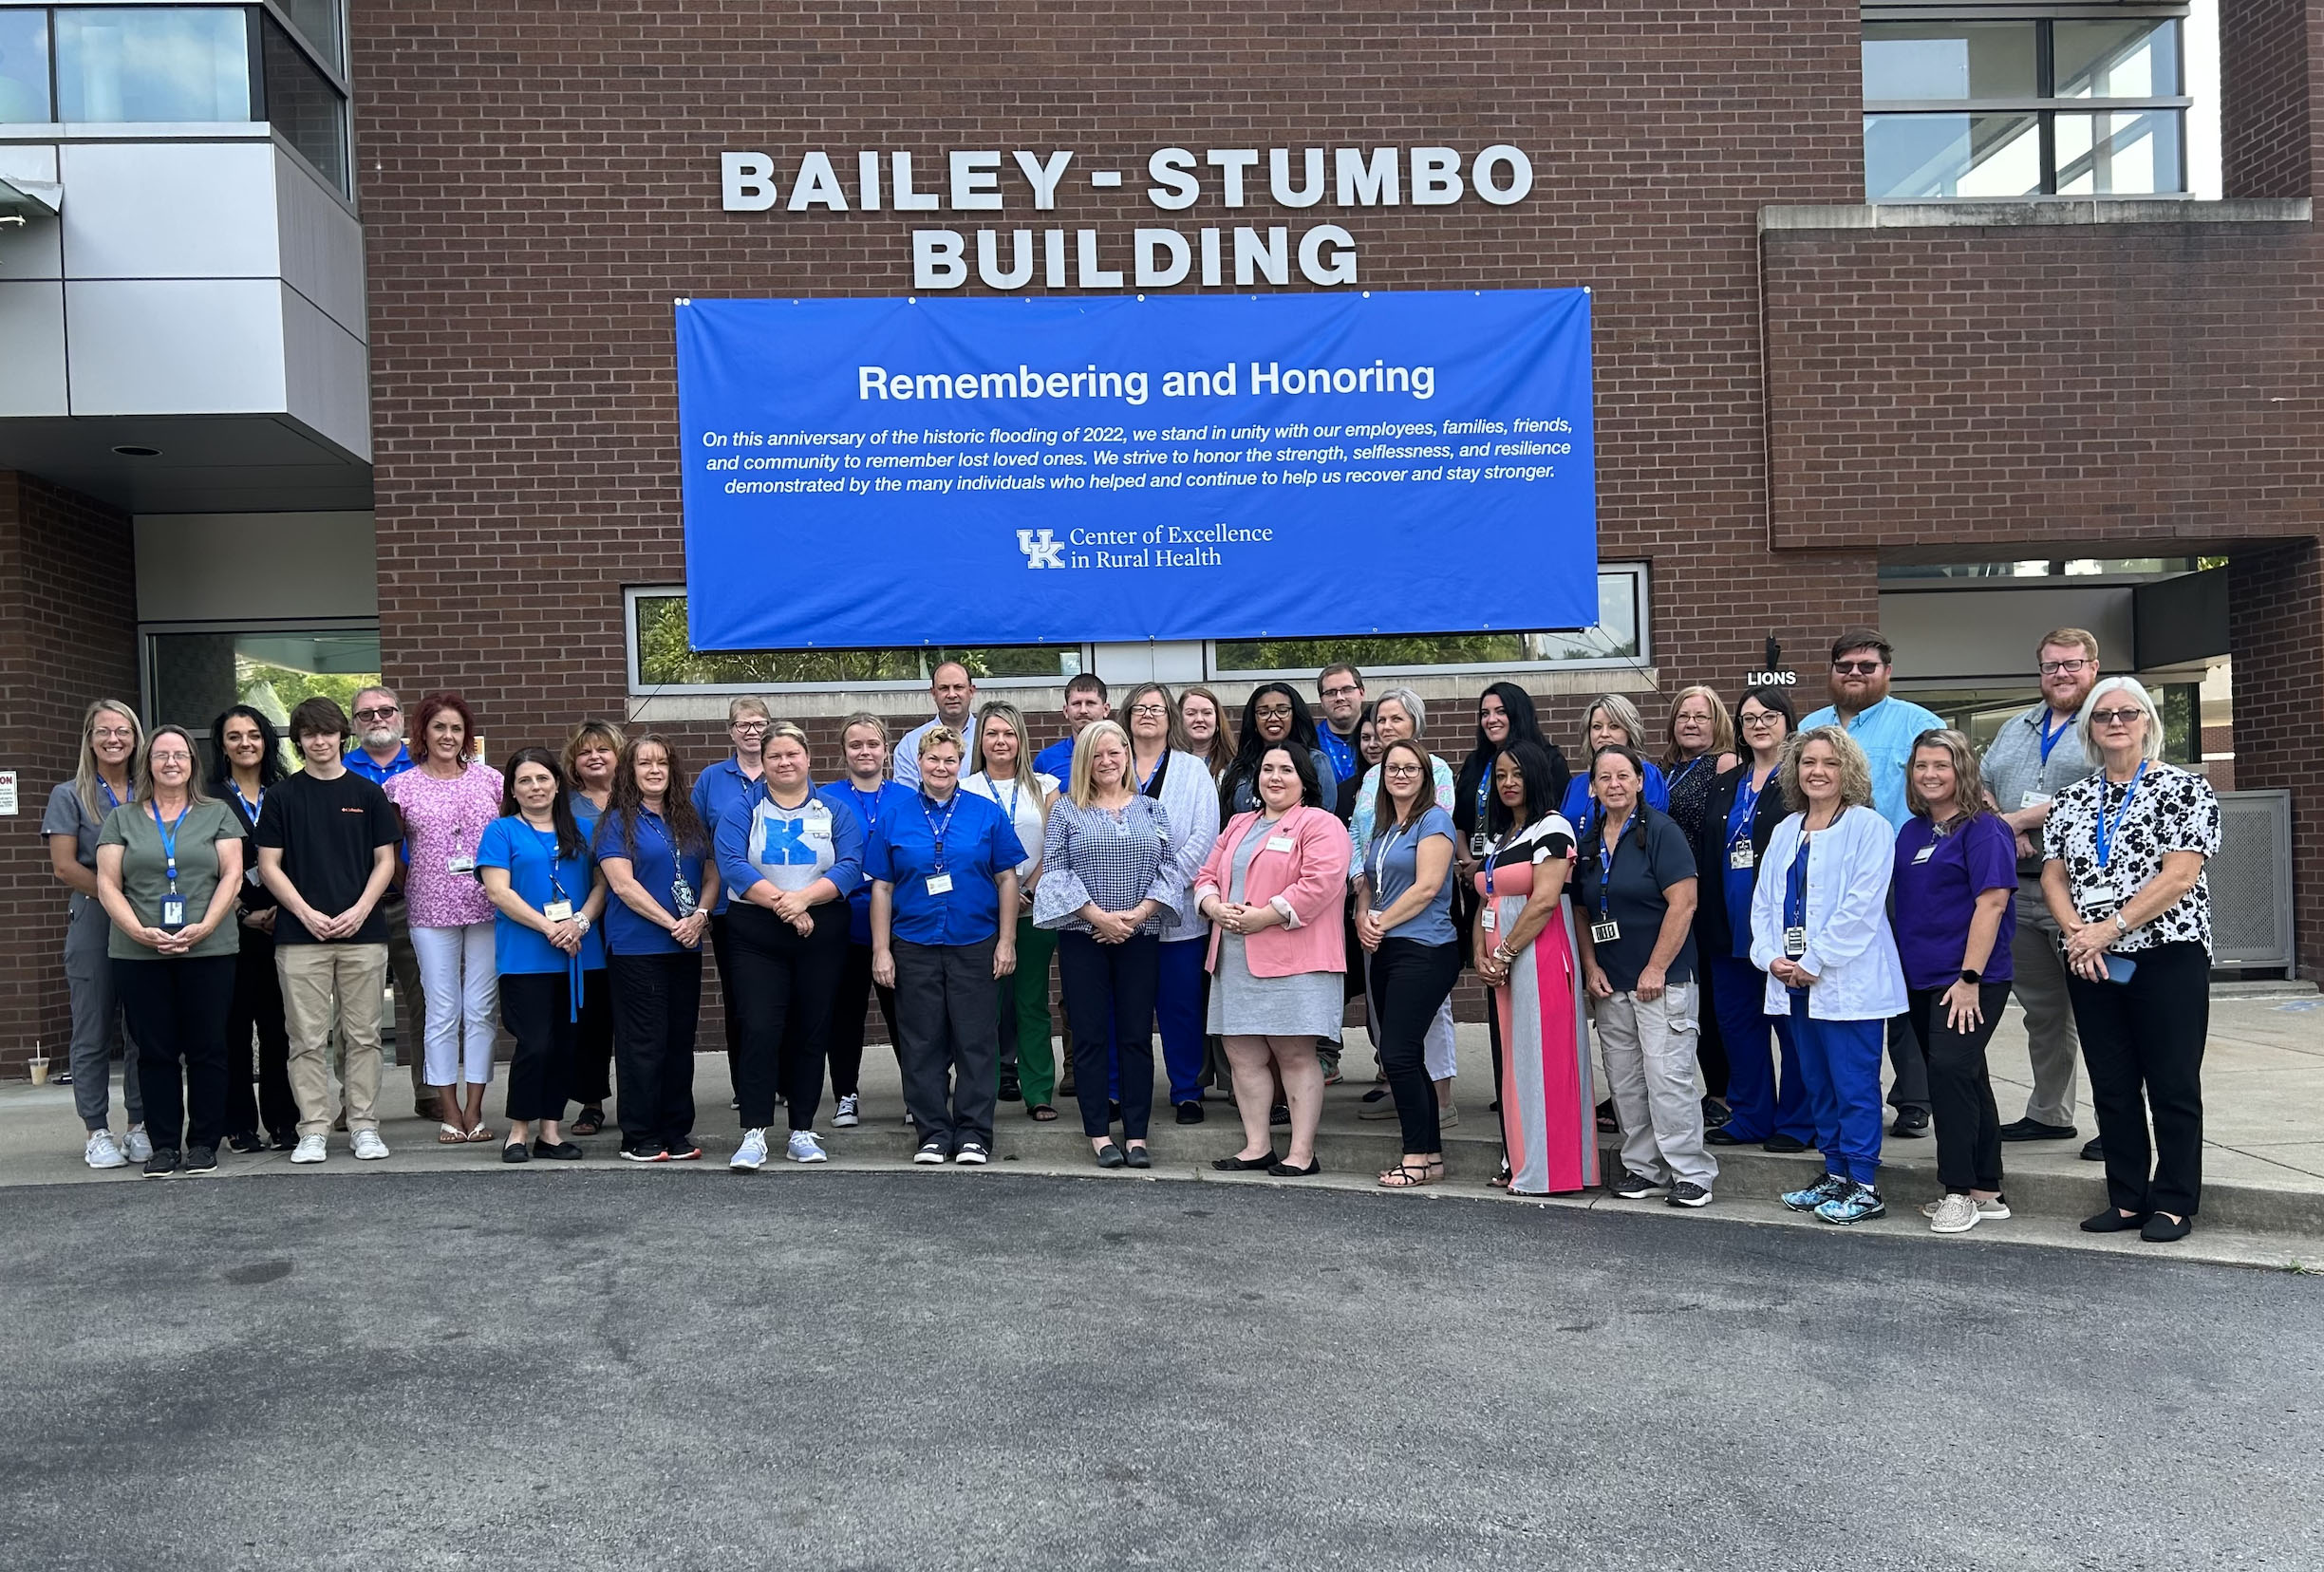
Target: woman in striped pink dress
1525, 954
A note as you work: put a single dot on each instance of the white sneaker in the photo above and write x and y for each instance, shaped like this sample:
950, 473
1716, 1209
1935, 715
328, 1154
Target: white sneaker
140, 1145
972, 1153
311, 1148
850, 1111
805, 1148
100, 1152
368, 1146
1953, 1214
751, 1153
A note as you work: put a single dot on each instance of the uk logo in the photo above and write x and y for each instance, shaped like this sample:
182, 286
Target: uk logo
1041, 550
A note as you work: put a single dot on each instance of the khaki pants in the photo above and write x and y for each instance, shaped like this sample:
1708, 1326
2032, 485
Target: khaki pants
322, 983
1649, 1047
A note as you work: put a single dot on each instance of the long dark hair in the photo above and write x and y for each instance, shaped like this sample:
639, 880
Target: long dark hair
1251, 747
1525, 726
1303, 765
269, 750
1540, 796
626, 800
1383, 806
568, 841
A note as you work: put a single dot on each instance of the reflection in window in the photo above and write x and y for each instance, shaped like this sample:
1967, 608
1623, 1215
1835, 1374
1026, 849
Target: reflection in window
178, 63
665, 659
318, 23
304, 106
195, 676
1924, 156
1615, 638
23, 67
1949, 60
2121, 155
2138, 58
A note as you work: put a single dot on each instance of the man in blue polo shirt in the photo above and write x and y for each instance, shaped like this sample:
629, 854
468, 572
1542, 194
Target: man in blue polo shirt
378, 756
1884, 727
1085, 701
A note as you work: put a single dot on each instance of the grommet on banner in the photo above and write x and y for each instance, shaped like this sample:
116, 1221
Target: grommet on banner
682, 300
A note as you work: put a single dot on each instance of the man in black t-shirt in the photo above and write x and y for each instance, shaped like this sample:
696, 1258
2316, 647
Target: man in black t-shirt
326, 841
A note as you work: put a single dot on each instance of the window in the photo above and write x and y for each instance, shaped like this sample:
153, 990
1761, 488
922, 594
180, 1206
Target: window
304, 106
23, 67
193, 674
2002, 109
1618, 640
661, 658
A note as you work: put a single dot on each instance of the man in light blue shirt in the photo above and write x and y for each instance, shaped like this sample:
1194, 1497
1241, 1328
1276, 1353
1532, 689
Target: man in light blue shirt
954, 692
1884, 727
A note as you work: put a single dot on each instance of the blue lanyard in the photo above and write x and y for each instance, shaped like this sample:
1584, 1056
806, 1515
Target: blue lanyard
1795, 888
1500, 846
936, 832
866, 805
106, 787
1160, 759
549, 844
1016, 790
254, 809
648, 817
2050, 739
1682, 772
1605, 862
169, 838
1484, 784
1335, 748
1745, 808
2109, 827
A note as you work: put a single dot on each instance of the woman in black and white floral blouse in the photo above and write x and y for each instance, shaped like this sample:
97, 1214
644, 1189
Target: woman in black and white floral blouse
2126, 848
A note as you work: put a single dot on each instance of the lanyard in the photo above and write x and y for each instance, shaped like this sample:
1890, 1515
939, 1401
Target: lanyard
1380, 848
549, 847
1795, 888
1605, 862
254, 808
1682, 772
646, 817
2050, 739
1161, 758
169, 838
1746, 808
866, 805
1500, 846
106, 787
936, 832
2108, 826
1015, 788
1484, 785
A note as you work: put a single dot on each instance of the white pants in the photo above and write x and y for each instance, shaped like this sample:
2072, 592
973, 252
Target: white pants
464, 995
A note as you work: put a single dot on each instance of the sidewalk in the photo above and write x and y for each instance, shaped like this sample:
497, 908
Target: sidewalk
2263, 1165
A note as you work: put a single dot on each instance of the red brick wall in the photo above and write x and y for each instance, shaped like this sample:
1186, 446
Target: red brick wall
2275, 618
67, 635
2266, 88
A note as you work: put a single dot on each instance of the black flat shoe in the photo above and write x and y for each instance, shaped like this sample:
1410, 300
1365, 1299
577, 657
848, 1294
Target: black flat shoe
513, 1152
1716, 1135
1109, 1157
1785, 1144
246, 1144
1911, 1124
2112, 1220
563, 1151
285, 1140
1138, 1158
1716, 1113
2160, 1229
2093, 1151
1284, 1170
1189, 1113
2033, 1129
1244, 1165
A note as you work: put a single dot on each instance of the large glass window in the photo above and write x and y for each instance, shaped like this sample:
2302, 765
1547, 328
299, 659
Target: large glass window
174, 63
1618, 639
192, 675
662, 658
23, 67
304, 106
2045, 107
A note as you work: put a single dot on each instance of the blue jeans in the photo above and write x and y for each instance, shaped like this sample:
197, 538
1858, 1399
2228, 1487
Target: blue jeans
1757, 1108
1841, 1062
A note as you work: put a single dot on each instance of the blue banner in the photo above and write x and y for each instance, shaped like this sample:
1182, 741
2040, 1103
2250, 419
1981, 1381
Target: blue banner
1073, 470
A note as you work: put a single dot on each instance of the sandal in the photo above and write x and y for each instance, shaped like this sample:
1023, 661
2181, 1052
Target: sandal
1500, 1180
588, 1121
481, 1132
450, 1134
1412, 1176
1041, 1114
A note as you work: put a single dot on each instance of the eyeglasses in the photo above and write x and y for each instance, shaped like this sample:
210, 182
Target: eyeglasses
1758, 718
2117, 718
178, 757
2062, 668
1345, 690
1400, 769
1273, 712
112, 734
1858, 668
387, 714
1152, 712
740, 726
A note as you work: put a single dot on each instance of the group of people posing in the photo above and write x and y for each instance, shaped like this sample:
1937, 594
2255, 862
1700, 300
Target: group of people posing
1750, 918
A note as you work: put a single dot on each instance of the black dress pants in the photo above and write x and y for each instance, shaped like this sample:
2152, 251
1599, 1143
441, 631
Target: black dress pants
1112, 984
948, 1041
1960, 1088
538, 1010
2143, 1044
1412, 981
176, 1010
781, 988
657, 1004
592, 1080
719, 932
258, 1007
850, 1010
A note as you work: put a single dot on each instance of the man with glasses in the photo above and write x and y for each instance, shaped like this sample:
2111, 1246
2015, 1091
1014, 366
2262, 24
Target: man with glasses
719, 791
1341, 692
378, 756
2033, 758
1884, 727
954, 691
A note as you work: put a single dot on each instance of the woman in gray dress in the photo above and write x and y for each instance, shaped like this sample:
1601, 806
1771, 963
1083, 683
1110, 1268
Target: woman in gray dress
1273, 888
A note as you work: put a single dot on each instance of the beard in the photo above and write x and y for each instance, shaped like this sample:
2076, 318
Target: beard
381, 737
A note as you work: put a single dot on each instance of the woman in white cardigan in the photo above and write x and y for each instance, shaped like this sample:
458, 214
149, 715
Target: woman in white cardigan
1819, 931
1163, 767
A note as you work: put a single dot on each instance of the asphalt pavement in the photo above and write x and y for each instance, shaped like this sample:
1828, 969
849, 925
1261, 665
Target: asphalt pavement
968, 1369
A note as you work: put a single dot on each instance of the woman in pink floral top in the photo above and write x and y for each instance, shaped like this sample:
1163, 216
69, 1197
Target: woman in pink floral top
446, 803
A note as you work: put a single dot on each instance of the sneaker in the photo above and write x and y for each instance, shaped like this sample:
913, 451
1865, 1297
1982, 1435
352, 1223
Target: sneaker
1189, 1113
734, 1105
1953, 1214
645, 1154
248, 1143
141, 1146
310, 1148
199, 1159
368, 1146
100, 1152
1830, 1187
1859, 1204
1384, 1109
1637, 1187
1995, 1210
751, 1154
1688, 1193
930, 1152
162, 1164
850, 1113
683, 1149
972, 1154
285, 1140
805, 1147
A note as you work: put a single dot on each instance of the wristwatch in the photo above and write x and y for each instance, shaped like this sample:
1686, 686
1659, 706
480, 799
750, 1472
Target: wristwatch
1972, 977
2121, 926
585, 926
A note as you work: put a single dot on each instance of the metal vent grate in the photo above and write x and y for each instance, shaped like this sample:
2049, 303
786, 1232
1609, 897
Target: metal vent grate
2251, 881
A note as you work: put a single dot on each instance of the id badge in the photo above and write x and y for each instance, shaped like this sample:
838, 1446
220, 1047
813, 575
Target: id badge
1281, 843
173, 913
940, 884
681, 897
1795, 943
1742, 856
460, 862
2032, 800
2102, 896
1477, 844
1490, 918
1604, 933
558, 911
249, 876
1924, 853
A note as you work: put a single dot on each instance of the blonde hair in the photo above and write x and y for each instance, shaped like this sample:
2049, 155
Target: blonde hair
1722, 725
1968, 780
863, 718
1621, 712
1086, 745
1855, 769
2137, 690
84, 774
747, 701
583, 735
936, 737
791, 732
142, 788
1011, 717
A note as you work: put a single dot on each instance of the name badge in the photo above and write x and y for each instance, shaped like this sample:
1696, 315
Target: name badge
940, 884
2102, 895
1742, 856
460, 862
1923, 854
173, 913
1795, 943
249, 876
1604, 933
1477, 844
682, 898
2032, 800
1281, 843
558, 911
1492, 919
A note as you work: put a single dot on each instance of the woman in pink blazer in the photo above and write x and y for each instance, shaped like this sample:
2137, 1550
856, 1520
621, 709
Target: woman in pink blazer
1274, 887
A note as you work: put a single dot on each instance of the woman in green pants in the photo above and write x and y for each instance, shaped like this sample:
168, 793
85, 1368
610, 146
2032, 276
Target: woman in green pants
1002, 772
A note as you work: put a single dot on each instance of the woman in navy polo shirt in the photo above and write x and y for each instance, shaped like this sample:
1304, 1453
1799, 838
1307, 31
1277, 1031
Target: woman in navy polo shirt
655, 853
868, 794
536, 868
788, 859
944, 867
1955, 887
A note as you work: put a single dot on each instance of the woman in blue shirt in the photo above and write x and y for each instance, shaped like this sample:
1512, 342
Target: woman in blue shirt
655, 855
868, 794
1613, 722
788, 860
945, 869
536, 868
1404, 921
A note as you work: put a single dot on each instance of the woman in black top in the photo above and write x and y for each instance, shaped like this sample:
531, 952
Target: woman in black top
1505, 715
1275, 713
1700, 745
245, 760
